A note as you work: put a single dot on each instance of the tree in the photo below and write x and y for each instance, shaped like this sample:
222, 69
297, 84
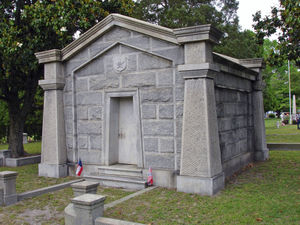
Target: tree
29, 26
276, 92
221, 14
182, 13
286, 20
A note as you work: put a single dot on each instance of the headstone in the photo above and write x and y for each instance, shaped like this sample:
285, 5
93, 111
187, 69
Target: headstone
25, 135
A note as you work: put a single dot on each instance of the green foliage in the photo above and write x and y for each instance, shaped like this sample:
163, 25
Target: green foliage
276, 92
286, 20
272, 116
27, 27
221, 14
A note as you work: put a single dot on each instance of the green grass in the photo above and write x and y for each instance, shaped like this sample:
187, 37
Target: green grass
268, 193
47, 208
31, 148
283, 134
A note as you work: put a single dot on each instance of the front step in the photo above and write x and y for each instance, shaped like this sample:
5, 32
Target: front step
121, 182
121, 171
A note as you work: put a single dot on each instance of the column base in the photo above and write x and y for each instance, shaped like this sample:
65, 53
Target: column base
53, 170
201, 185
261, 155
10, 199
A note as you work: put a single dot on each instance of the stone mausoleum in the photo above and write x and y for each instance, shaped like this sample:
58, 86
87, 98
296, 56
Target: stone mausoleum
128, 95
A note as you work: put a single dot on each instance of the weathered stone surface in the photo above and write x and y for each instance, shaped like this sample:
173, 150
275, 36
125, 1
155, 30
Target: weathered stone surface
151, 144
179, 93
81, 85
147, 61
175, 54
149, 111
96, 142
158, 128
158, 44
96, 48
101, 82
179, 110
157, 95
90, 98
82, 112
68, 99
93, 68
158, 161
166, 145
166, 111
82, 142
95, 113
90, 156
89, 127
139, 42
70, 66
179, 128
117, 33
139, 80
165, 78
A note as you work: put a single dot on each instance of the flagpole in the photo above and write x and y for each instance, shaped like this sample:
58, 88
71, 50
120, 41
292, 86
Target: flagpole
289, 74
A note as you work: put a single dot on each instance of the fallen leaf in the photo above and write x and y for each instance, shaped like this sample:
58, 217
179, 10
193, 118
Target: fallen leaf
259, 219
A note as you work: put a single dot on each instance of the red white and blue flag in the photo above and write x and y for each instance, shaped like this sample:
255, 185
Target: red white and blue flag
79, 168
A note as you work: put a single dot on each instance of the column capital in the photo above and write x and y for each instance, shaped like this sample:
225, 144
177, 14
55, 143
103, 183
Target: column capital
198, 33
197, 71
53, 55
52, 84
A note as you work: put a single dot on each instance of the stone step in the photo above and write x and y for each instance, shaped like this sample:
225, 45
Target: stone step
121, 182
120, 172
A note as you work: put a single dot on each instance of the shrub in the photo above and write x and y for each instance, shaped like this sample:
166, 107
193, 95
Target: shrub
272, 115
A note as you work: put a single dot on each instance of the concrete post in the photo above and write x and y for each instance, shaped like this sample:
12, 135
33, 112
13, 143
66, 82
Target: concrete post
84, 209
261, 150
8, 185
84, 187
54, 153
201, 168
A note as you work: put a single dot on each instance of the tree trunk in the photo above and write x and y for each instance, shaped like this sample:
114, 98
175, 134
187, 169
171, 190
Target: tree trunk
16, 129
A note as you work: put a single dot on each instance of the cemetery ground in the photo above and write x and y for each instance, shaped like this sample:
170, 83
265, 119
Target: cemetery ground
264, 193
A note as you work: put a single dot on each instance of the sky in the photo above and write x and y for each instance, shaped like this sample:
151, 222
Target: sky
249, 7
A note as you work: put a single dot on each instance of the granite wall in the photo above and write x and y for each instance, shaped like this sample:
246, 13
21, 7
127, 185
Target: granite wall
150, 69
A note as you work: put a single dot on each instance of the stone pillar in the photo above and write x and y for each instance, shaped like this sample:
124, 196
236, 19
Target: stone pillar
201, 168
261, 151
54, 153
84, 187
84, 209
8, 185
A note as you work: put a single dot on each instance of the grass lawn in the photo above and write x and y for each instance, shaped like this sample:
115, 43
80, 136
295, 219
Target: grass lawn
47, 208
283, 134
268, 193
31, 148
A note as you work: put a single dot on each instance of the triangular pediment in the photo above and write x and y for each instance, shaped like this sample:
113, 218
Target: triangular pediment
119, 52
114, 20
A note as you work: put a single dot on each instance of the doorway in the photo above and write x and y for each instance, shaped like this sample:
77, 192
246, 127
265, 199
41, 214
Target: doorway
122, 130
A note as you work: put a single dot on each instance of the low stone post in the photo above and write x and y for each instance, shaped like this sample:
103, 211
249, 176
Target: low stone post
84, 187
84, 209
1, 197
8, 184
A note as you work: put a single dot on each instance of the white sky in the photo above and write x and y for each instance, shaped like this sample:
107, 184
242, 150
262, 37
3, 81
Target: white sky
249, 7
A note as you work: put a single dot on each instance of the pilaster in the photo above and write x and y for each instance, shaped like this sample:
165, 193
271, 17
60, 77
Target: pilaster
54, 154
260, 145
201, 168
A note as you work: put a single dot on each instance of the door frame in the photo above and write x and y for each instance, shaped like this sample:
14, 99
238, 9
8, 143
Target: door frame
110, 154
